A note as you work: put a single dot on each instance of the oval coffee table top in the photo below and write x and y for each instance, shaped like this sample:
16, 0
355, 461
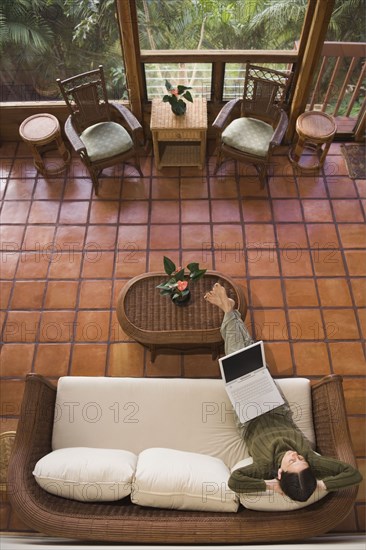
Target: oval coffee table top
153, 319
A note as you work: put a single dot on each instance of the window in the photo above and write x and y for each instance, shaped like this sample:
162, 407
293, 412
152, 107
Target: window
219, 24
42, 40
196, 75
225, 25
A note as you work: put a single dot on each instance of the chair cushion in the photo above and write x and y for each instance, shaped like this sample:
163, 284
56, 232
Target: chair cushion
87, 474
269, 501
167, 478
105, 140
248, 135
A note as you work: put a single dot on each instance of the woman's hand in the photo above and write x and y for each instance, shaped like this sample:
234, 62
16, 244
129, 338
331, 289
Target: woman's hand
273, 485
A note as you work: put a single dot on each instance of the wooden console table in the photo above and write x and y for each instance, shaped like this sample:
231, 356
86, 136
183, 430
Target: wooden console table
179, 140
158, 324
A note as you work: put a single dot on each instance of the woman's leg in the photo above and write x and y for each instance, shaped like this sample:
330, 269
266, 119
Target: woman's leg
236, 337
233, 330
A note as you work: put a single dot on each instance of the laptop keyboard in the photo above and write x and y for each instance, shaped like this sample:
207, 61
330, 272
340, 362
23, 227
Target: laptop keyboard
249, 392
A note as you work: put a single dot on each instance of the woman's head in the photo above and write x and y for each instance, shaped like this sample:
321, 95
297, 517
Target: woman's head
295, 477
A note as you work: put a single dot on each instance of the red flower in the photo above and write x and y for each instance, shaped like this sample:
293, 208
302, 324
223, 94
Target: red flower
182, 285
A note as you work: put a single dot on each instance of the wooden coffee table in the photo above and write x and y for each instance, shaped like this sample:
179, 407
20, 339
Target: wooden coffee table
161, 326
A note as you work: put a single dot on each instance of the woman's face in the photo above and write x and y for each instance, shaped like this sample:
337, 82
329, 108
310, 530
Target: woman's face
293, 462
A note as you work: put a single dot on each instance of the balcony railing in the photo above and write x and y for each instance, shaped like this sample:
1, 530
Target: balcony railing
217, 75
339, 86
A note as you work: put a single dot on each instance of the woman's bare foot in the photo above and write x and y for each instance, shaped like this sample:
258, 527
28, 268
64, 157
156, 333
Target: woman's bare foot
219, 298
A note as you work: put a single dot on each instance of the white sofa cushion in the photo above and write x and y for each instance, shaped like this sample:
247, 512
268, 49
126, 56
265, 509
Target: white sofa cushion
192, 415
134, 414
269, 501
167, 478
89, 475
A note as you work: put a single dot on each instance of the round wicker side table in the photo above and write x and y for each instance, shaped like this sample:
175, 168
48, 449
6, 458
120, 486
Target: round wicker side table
38, 131
314, 129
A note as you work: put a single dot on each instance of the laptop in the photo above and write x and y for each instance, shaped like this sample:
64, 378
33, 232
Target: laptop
249, 385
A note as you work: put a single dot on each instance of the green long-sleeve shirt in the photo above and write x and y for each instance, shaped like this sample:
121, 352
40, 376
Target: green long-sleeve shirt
268, 437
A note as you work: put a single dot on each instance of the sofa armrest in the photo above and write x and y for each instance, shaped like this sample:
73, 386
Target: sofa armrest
330, 420
33, 440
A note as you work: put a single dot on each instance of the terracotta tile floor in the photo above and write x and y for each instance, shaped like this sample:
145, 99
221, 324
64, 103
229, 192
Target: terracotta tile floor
297, 247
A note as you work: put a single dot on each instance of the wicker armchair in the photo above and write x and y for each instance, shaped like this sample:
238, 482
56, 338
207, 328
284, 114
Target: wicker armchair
262, 123
124, 522
94, 127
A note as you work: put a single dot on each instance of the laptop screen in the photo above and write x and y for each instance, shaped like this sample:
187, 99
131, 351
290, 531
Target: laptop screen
242, 362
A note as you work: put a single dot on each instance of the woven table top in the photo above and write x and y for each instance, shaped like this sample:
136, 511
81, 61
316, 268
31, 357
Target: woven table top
151, 318
316, 124
37, 128
162, 117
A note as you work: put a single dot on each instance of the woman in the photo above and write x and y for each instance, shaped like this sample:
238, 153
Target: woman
283, 459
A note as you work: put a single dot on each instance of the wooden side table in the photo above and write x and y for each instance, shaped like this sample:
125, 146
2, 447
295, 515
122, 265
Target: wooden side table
179, 140
314, 129
160, 325
38, 131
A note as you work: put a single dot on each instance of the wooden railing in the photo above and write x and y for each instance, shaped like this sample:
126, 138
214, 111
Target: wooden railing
339, 86
218, 59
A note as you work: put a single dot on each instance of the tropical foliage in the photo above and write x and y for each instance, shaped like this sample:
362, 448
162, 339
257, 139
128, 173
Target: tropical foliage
238, 24
41, 40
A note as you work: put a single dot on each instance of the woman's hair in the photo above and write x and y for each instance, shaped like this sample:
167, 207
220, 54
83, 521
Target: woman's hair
298, 486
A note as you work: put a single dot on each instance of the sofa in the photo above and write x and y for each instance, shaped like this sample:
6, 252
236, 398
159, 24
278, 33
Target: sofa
173, 443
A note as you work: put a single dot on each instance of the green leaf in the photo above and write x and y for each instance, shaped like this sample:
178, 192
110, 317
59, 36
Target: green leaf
164, 286
168, 85
182, 89
165, 292
169, 266
188, 97
193, 266
198, 274
167, 98
180, 275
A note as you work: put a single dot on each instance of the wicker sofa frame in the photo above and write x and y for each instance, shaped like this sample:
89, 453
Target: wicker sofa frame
125, 522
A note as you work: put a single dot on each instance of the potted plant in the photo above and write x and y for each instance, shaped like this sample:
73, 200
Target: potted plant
177, 286
176, 102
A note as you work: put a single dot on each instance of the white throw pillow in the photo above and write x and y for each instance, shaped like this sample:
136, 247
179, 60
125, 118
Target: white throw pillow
87, 474
269, 501
167, 478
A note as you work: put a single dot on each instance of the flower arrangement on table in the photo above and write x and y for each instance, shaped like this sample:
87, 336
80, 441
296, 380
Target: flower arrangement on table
177, 286
173, 97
